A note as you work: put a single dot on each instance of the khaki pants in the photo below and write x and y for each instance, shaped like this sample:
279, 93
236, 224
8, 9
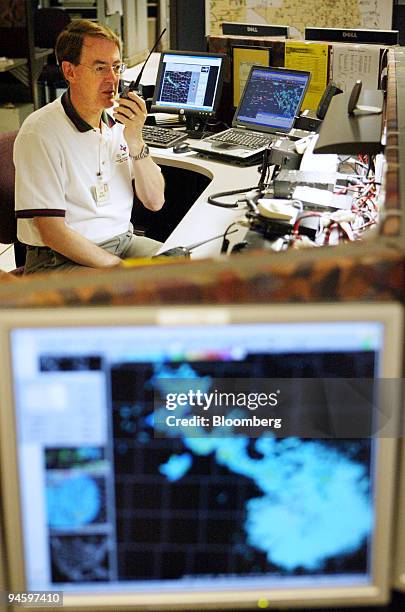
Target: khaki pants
44, 259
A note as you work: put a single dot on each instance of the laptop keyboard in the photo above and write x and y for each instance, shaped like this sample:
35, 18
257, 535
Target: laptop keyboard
155, 136
248, 140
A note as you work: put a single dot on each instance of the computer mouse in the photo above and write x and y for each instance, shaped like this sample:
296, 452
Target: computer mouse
181, 147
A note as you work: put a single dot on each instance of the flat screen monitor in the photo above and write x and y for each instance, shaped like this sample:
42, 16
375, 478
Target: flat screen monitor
102, 507
233, 28
399, 530
353, 35
188, 83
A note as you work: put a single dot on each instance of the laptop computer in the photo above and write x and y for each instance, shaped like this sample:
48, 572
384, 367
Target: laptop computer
270, 102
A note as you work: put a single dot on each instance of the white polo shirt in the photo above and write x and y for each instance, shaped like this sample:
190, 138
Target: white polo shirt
60, 160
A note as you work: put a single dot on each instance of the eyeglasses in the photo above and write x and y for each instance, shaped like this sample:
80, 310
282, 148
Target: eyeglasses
104, 70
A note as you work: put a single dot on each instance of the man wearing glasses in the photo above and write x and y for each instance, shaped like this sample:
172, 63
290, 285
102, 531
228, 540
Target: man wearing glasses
76, 165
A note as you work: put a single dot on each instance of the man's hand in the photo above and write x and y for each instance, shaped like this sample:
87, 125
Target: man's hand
132, 113
59, 237
149, 183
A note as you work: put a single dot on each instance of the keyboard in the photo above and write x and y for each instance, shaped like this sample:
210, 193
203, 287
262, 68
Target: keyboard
156, 136
248, 140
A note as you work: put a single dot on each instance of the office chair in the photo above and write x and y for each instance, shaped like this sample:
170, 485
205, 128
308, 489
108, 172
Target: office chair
8, 223
48, 24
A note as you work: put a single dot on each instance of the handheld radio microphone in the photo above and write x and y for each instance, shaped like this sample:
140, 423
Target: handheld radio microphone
183, 251
134, 85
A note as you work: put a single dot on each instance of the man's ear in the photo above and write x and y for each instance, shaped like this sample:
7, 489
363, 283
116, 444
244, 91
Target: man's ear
68, 70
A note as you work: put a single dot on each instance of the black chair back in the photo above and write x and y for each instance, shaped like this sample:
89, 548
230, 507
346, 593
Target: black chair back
8, 225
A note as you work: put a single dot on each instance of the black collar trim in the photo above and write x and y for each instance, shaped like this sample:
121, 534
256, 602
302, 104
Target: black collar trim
79, 123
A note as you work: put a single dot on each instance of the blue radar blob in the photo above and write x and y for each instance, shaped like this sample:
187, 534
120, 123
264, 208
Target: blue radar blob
72, 501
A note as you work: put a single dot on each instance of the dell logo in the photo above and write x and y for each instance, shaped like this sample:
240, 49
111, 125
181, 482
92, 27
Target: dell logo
252, 29
349, 34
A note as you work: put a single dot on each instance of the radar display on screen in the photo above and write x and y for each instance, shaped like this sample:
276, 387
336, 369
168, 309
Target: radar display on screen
229, 506
272, 98
206, 506
276, 97
197, 507
176, 87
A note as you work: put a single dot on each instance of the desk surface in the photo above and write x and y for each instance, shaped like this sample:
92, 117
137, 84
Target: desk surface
203, 220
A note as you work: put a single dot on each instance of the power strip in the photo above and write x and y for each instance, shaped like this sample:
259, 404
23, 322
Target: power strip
287, 180
321, 199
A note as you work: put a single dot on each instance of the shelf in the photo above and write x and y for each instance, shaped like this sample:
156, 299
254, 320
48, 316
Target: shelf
80, 8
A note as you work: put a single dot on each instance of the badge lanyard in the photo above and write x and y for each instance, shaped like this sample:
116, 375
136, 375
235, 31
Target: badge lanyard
101, 190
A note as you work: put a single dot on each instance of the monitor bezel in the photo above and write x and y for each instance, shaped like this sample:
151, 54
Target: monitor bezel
367, 36
159, 108
3, 564
399, 563
264, 128
390, 314
254, 29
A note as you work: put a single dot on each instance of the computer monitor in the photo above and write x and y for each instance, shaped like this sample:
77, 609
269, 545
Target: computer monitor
233, 28
188, 83
399, 530
101, 507
353, 35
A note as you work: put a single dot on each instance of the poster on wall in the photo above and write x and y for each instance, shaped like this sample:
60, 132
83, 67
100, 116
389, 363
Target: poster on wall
298, 14
312, 57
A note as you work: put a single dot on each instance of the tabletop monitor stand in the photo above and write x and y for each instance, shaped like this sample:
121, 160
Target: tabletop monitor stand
197, 124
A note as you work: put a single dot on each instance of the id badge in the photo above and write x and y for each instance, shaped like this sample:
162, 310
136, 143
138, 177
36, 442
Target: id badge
101, 193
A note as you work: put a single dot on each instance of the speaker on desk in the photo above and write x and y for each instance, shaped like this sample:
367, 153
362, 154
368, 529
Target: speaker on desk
310, 120
349, 128
331, 90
